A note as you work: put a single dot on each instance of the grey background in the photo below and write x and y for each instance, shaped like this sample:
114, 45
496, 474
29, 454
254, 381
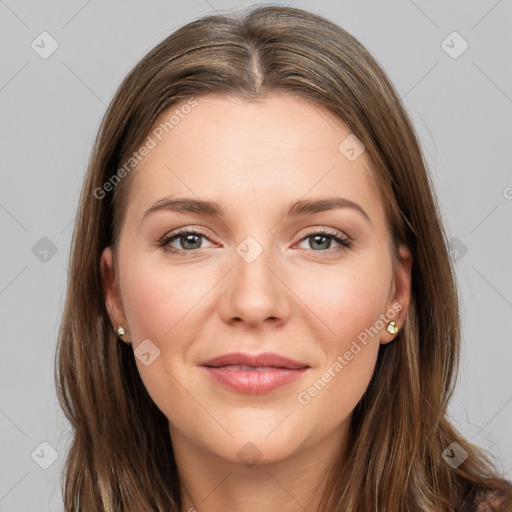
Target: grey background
51, 109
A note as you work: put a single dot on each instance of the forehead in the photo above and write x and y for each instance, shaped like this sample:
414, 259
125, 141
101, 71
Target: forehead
252, 155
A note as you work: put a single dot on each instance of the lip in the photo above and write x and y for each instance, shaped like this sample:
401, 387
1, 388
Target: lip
263, 359
252, 382
280, 372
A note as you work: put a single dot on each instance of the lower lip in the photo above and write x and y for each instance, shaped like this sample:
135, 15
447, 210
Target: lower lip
252, 382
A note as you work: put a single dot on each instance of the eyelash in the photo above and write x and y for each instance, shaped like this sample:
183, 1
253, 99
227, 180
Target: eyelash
345, 243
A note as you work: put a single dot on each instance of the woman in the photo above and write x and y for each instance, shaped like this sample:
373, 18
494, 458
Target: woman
262, 312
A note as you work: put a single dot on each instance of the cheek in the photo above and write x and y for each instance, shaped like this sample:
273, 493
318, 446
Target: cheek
344, 301
350, 304
158, 298
162, 303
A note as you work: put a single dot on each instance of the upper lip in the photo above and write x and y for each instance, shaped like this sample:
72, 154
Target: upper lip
256, 360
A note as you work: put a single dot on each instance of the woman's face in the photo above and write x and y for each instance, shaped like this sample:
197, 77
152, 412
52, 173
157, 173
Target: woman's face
263, 277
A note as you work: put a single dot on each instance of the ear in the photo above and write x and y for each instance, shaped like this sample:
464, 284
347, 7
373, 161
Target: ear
111, 289
400, 295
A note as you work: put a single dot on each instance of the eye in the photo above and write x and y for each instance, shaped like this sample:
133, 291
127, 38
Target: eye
321, 241
189, 241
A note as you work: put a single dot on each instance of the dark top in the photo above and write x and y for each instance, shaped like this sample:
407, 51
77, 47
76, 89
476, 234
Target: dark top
493, 501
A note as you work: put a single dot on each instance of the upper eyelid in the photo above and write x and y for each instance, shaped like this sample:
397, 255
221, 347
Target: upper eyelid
186, 230
311, 231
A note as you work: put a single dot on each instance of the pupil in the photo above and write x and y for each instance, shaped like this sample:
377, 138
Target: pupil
325, 238
189, 239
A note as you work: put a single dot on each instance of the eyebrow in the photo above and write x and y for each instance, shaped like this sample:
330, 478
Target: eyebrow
298, 208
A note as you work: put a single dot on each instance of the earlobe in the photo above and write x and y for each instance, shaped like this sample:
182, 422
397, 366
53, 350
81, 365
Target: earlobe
110, 288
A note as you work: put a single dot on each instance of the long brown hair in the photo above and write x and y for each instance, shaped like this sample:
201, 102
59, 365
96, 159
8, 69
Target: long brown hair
121, 456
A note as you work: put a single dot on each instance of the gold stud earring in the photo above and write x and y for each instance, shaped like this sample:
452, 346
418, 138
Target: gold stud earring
391, 327
121, 331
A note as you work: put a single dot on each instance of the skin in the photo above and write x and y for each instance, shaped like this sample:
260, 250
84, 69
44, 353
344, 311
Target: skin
299, 298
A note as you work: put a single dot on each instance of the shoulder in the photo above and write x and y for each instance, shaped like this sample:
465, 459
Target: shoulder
493, 501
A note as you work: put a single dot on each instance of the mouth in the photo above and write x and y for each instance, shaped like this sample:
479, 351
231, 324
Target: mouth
254, 374
263, 360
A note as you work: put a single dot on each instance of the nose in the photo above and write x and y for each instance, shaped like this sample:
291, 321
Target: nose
255, 290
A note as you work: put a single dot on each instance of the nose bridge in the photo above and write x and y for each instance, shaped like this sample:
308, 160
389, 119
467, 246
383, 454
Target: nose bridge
255, 293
